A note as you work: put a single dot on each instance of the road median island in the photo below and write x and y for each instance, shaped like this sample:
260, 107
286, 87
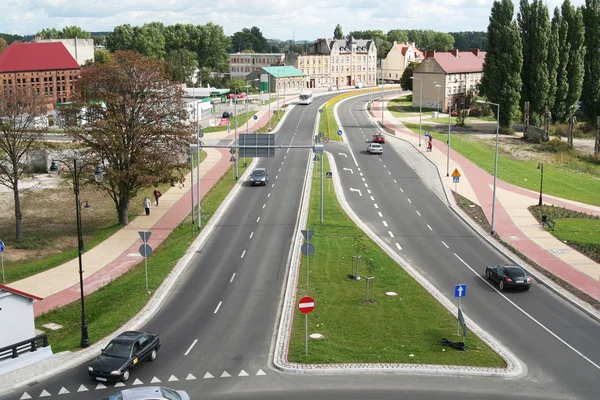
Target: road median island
112, 306
372, 329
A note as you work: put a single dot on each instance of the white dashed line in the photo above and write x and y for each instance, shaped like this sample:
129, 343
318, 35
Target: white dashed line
273, 185
398, 246
369, 191
276, 176
264, 205
219, 306
366, 185
384, 224
418, 213
402, 190
232, 278
372, 198
391, 234
251, 234
380, 214
363, 179
376, 206
361, 174
288, 150
445, 244
384, 166
389, 172
243, 254
269, 195
258, 219
430, 228
395, 181
279, 170
191, 346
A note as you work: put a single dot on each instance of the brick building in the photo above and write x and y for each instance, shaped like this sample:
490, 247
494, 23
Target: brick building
47, 68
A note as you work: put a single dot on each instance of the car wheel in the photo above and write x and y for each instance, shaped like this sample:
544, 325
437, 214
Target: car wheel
527, 288
488, 275
153, 355
125, 376
501, 284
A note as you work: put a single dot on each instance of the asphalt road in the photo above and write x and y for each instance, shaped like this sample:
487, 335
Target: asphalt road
558, 343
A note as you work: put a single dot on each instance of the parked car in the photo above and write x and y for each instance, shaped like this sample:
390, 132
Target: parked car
379, 138
508, 276
259, 176
359, 85
227, 114
242, 95
454, 113
149, 392
374, 148
230, 95
332, 88
123, 354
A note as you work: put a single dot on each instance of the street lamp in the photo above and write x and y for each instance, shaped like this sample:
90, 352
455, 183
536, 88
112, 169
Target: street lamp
438, 86
496, 160
420, 106
75, 171
541, 168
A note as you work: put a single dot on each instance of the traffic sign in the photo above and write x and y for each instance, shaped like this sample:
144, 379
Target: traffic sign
1, 246
145, 250
306, 305
340, 132
325, 140
456, 174
308, 249
460, 290
426, 133
145, 235
461, 321
455, 179
232, 159
307, 234
329, 174
232, 151
200, 134
255, 117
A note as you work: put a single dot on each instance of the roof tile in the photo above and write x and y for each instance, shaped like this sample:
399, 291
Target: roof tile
20, 57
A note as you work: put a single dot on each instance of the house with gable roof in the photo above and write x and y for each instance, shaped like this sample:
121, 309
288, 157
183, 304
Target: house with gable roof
448, 78
398, 58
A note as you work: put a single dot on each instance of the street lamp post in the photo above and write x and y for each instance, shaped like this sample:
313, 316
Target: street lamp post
448, 147
420, 106
237, 155
76, 171
382, 90
495, 162
438, 86
541, 168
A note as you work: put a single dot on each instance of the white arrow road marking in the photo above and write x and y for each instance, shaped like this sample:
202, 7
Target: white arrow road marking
343, 154
349, 169
225, 375
63, 390
356, 190
191, 345
25, 396
445, 244
243, 373
208, 376
100, 386
82, 389
260, 372
391, 234
190, 377
398, 246
156, 380
119, 384
138, 382
173, 378
219, 306
45, 393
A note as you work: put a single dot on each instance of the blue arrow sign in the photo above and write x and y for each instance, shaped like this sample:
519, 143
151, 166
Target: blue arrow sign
1, 246
255, 117
460, 290
340, 132
455, 179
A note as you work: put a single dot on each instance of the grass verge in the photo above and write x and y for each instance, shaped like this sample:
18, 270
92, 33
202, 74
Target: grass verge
116, 303
401, 329
274, 120
241, 119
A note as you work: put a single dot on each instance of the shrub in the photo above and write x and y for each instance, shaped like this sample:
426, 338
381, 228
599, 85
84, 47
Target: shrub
555, 145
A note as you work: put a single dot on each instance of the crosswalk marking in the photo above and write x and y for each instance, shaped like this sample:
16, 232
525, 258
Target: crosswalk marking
100, 386
63, 390
208, 376
155, 380
173, 378
82, 389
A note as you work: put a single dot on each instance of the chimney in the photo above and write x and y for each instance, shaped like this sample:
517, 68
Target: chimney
455, 52
475, 51
429, 53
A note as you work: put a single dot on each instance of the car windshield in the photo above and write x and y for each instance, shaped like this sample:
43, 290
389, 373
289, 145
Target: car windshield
258, 172
118, 349
376, 145
116, 396
514, 272
169, 394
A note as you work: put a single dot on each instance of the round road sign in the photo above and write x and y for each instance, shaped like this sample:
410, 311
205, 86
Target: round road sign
1, 246
308, 249
255, 117
340, 132
306, 305
325, 140
145, 250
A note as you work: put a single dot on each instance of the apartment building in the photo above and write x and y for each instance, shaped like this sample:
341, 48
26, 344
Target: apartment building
47, 68
447, 78
241, 64
398, 58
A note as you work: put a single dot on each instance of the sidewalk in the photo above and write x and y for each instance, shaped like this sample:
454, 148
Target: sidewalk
120, 252
513, 221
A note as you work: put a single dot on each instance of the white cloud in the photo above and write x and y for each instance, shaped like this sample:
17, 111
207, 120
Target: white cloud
308, 19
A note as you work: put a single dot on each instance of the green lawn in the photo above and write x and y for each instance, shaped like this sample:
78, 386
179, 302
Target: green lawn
401, 329
401, 107
241, 118
274, 121
558, 180
113, 305
584, 231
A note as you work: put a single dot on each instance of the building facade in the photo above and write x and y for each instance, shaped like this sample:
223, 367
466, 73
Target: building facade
82, 50
447, 79
398, 58
46, 68
280, 79
241, 64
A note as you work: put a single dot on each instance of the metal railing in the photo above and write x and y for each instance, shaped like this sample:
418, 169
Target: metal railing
25, 346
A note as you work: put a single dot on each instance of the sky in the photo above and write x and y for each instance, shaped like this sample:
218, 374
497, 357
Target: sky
280, 19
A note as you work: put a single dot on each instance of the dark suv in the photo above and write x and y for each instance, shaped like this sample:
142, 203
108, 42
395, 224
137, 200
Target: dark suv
259, 177
227, 114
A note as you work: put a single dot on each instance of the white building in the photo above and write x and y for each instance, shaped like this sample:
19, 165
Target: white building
241, 64
82, 50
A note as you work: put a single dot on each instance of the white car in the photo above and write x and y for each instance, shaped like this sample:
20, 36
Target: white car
333, 88
374, 148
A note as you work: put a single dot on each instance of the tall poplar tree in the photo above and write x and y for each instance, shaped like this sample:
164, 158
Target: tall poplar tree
553, 58
501, 82
559, 110
590, 96
534, 25
576, 55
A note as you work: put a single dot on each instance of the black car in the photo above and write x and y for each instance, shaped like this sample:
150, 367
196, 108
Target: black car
123, 354
508, 276
227, 114
259, 176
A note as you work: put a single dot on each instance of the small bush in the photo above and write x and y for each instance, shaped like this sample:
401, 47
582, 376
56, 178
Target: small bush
555, 145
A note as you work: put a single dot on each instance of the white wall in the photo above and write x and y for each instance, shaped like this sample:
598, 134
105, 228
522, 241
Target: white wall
16, 319
81, 49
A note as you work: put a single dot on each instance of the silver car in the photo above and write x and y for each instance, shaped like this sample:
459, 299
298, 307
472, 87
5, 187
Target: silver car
259, 176
374, 148
149, 392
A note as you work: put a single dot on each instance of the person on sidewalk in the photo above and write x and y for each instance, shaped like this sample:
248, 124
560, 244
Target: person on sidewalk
146, 203
429, 145
157, 195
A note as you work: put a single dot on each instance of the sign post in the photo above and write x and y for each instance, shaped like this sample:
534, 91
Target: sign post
330, 176
2, 258
306, 305
145, 251
308, 249
455, 179
460, 290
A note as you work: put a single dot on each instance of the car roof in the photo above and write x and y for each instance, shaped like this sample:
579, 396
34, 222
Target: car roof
146, 392
129, 336
259, 169
375, 144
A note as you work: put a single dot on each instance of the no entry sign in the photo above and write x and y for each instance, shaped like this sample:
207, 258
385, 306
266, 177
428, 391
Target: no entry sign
306, 305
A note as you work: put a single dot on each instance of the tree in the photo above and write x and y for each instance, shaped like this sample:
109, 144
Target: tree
397, 35
338, 33
405, 82
469, 40
212, 48
590, 96
3, 44
431, 40
534, 26
241, 41
72, 32
149, 40
51, 33
501, 81
19, 112
121, 38
260, 42
576, 55
553, 57
141, 132
559, 108
181, 65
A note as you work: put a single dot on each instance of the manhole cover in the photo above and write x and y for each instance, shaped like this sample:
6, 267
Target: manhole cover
316, 336
514, 238
391, 293
52, 326
557, 251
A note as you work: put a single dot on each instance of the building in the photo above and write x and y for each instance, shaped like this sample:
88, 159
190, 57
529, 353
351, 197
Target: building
82, 50
316, 64
398, 58
241, 64
280, 79
457, 73
47, 68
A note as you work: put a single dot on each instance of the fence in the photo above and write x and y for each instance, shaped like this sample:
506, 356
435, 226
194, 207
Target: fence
25, 346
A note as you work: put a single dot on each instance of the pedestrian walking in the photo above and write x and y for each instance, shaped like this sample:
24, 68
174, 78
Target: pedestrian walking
146, 203
157, 195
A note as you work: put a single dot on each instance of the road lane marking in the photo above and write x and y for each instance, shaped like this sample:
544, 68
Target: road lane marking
366, 185
191, 346
372, 198
402, 190
369, 191
429, 227
232, 278
384, 224
444, 243
384, 166
409, 201
528, 315
380, 214
376, 206
398, 246
279, 170
258, 219
391, 234
243, 254
395, 181
276, 176
361, 174
363, 179
264, 205
389, 172
251, 234
219, 306
288, 150
418, 213
269, 195
273, 185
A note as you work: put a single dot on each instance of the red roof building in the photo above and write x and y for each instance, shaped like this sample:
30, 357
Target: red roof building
398, 58
48, 68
